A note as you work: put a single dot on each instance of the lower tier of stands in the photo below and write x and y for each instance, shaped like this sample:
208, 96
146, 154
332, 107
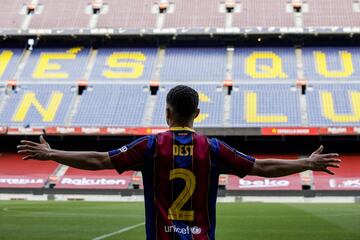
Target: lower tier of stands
16, 173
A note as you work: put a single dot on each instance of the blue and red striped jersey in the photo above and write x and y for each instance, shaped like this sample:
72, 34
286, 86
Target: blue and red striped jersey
180, 171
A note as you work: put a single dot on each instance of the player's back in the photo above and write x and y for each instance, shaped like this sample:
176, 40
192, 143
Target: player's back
184, 186
180, 173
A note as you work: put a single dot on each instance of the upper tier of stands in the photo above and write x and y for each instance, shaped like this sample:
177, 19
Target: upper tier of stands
80, 14
325, 13
263, 14
264, 89
180, 64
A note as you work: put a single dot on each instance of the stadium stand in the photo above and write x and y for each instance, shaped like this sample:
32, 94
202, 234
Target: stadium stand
56, 64
345, 178
331, 63
268, 14
37, 105
124, 64
194, 65
264, 64
9, 60
128, 14
103, 179
10, 14
17, 173
112, 105
211, 104
198, 13
61, 14
334, 105
330, 13
254, 105
75, 15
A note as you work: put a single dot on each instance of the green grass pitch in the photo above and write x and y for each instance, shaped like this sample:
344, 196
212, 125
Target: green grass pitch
235, 221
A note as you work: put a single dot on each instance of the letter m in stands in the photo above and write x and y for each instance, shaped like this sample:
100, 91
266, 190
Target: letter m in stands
48, 113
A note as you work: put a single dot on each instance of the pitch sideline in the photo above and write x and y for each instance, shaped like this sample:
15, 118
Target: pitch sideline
119, 231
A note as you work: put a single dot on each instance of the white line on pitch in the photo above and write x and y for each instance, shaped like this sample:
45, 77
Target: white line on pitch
119, 231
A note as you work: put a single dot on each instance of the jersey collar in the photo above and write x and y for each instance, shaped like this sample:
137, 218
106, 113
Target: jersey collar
182, 129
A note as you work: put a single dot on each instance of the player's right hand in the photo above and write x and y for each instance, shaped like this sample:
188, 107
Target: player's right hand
321, 162
33, 150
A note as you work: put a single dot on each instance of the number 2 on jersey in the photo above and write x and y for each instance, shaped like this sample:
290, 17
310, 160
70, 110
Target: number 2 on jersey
175, 212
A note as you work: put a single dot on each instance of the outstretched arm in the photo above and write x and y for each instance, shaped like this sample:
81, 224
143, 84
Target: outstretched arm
281, 167
81, 160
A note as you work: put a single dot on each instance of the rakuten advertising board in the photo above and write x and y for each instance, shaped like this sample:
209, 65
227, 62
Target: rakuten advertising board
94, 182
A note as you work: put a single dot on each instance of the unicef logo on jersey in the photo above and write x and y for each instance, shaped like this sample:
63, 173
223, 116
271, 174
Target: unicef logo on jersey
195, 230
186, 231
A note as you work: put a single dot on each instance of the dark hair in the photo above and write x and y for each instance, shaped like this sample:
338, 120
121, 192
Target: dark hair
184, 101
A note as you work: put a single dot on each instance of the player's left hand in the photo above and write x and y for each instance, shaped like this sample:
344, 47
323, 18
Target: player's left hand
321, 162
33, 150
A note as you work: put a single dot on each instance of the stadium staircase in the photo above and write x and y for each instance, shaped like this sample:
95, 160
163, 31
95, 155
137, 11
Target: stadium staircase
3, 99
58, 173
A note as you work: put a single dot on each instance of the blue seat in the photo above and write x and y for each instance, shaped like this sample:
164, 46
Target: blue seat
211, 106
112, 105
14, 115
194, 65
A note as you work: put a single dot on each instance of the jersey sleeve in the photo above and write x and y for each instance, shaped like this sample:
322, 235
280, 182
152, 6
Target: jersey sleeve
231, 161
130, 156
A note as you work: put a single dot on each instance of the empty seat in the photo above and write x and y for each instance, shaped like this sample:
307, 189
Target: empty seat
211, 104
194, 65
128, 14
269, 13
112, 105
61, 14
37, 106
124, 64
56, 64
9, 61
260, 105
16, 173
330, 13
264, 64
195, 13
333, 105
10, 17
334, 64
